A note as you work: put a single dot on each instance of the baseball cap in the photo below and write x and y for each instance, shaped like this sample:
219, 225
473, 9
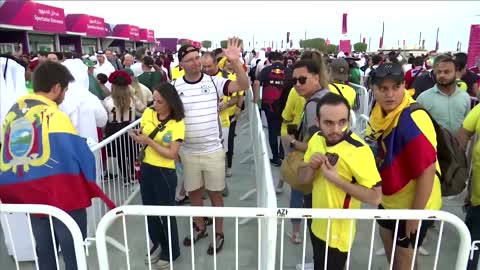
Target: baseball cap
184, 50
89, 63
392, 71
339, 69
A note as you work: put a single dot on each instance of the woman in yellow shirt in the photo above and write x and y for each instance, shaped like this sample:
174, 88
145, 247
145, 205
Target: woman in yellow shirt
162, 131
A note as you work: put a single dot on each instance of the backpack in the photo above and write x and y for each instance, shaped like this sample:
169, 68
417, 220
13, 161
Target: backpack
451, 158
273, 88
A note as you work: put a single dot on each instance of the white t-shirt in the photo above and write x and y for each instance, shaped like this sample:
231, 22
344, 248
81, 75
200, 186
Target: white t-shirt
202, 123
137, 69
114, 115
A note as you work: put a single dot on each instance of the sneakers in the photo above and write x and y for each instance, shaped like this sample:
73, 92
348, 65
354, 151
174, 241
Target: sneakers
161, 264
154, 254
276, 162
225, 191
294, 237
185, 200
219, 240
228, 172
279, 187
197, 235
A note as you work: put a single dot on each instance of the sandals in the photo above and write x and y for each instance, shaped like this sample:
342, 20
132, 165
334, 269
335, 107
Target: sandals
219, 240
197, 236
295, 238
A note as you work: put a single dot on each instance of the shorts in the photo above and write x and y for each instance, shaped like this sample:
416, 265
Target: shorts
206, 170
402, 239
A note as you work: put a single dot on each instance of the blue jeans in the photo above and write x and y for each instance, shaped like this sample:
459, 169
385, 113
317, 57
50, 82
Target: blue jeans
274, 124
63, 237
472, 220
296, 201
157, 187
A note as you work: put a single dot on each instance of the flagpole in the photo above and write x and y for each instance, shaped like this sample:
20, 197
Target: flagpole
436, 41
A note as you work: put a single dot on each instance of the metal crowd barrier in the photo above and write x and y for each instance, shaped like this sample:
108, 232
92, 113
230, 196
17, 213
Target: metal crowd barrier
23, 242
115, 157
266, 249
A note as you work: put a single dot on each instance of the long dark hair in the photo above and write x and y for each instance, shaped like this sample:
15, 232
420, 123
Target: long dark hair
170, 94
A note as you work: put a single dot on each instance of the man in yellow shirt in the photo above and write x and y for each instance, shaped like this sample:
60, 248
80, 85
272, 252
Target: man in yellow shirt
339, 76
471, 125
344, 174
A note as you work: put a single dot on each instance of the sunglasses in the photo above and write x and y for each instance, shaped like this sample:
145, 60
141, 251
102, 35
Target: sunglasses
301, 80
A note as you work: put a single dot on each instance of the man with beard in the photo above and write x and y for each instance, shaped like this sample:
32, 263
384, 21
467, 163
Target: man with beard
447, 104
342, 168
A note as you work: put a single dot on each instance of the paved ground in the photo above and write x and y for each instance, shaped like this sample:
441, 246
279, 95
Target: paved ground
242, 181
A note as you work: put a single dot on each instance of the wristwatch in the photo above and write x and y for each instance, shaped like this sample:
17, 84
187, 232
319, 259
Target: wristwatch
292, 143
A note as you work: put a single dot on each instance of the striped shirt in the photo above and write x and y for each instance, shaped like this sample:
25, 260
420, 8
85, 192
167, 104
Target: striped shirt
202, 123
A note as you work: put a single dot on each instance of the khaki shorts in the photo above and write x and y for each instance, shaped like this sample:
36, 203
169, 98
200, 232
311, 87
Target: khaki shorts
207, 170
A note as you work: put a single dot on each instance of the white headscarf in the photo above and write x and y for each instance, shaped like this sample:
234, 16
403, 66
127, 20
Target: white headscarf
84, 108
12, 85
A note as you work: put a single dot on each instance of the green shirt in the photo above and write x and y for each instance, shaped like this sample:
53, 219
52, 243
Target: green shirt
355, 75
448, 111
29, 86
94, 87
150, 79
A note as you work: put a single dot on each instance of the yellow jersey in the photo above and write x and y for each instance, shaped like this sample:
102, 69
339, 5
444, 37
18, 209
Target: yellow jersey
174, 131
356, 164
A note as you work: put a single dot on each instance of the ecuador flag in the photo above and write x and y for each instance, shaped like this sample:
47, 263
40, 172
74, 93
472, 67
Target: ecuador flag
43, 160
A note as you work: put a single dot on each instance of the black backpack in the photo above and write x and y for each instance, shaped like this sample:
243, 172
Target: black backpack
451, 157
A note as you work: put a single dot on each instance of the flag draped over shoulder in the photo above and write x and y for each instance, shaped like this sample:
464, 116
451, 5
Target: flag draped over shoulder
43, 160
405, 152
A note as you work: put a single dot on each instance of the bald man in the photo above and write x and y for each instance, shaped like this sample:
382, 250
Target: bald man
209, 64
127, 60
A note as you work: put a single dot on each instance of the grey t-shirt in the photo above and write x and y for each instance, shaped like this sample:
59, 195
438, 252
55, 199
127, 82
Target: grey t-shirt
309, 125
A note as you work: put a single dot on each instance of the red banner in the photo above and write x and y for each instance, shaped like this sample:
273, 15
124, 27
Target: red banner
381, 43
344, 24
49, 19
17, 13
90, 25
147, 35
108, 29
345, 46
37, 16
127, 31
473, 45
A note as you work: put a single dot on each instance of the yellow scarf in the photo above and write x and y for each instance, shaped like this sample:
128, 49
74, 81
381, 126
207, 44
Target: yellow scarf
382, 124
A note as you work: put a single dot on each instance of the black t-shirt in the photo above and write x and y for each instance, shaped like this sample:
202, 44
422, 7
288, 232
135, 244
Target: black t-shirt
423, 82
470, 79
287, 84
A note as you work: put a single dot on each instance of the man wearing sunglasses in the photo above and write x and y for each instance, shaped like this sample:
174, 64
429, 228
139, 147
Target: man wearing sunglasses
407, 162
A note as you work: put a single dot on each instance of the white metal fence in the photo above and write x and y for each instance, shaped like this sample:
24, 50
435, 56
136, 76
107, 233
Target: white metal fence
18, 247
115, 157
266, 253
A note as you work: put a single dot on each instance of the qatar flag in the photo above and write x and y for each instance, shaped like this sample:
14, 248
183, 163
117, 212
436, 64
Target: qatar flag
344, 24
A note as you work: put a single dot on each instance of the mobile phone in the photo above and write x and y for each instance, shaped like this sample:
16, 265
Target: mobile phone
332, 158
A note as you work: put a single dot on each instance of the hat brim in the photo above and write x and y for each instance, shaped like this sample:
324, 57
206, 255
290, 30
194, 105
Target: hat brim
396, 78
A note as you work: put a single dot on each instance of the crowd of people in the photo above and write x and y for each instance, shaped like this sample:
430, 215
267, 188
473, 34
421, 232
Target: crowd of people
188, 117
